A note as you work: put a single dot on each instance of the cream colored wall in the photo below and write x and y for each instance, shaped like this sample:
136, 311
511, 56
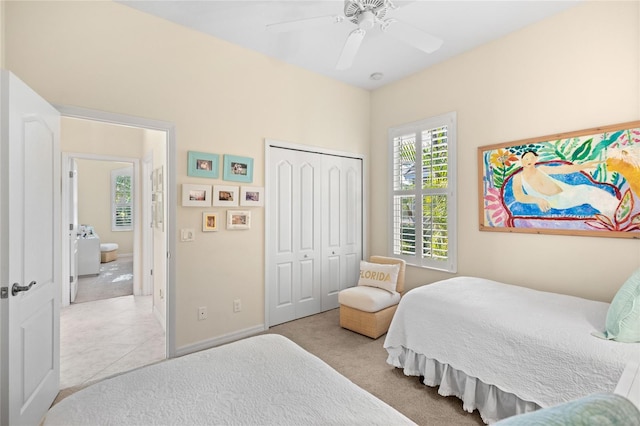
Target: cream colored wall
94, 137
94, 202
2, 32
222, 99
573, 71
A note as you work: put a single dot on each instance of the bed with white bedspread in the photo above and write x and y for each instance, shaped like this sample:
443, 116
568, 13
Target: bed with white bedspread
262, 380
505, 349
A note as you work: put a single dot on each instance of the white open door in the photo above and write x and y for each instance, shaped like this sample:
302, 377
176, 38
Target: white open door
29, 253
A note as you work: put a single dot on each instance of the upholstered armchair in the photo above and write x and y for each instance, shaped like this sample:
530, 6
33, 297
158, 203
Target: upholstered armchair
369, 307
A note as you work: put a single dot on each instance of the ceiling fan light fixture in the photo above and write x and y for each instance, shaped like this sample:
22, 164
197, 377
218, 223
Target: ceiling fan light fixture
366, 20
366, 14
354, 8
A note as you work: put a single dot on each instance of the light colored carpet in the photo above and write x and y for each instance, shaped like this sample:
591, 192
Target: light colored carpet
115, 280
363, 361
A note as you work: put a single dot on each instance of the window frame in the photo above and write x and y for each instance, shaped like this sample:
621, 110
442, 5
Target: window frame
115, 173
416, 128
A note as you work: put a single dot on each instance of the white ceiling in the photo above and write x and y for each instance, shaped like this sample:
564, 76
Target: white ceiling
462, 25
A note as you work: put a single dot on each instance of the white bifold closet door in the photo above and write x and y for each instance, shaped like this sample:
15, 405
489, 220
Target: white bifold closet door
341, 226
315, 231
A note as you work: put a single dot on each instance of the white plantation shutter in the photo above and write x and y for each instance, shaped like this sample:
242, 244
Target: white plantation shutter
423, 196
122, 199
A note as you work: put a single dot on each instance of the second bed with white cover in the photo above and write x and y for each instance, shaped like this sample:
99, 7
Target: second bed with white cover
505, 349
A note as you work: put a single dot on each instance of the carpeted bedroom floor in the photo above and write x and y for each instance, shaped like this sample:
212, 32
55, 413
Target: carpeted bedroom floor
363, 361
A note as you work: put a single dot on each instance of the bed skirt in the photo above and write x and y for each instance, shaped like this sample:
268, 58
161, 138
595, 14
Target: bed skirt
492, 403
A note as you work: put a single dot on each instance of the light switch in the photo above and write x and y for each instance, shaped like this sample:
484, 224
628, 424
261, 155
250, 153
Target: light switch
187, 234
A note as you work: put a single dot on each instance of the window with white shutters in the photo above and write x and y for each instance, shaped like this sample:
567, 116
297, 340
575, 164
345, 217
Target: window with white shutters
122, 199
423, 192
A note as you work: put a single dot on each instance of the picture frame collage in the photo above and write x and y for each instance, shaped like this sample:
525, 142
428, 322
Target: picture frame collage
234, 169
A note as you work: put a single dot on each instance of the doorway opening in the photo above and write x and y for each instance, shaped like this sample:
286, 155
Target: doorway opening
126, 322
102, 229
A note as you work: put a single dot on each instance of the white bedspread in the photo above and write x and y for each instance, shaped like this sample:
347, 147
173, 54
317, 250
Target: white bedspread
536, 345
263, 380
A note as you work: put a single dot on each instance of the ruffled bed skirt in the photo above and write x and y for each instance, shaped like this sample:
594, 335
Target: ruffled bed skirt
492, 403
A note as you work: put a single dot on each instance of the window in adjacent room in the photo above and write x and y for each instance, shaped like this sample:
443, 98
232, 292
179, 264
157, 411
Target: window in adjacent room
122, 199
423, 195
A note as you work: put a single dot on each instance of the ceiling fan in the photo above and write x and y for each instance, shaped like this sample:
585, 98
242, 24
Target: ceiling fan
365, 14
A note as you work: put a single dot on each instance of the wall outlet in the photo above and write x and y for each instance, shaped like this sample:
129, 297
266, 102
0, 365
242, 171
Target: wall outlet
237, 305
187, 234
202, 313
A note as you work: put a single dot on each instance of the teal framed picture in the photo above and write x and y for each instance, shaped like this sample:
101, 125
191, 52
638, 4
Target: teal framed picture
238, 169
202, 164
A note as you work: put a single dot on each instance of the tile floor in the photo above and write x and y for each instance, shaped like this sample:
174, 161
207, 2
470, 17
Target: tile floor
105, 337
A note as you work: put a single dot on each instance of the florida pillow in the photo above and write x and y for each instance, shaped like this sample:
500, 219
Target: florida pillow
623, 316
381, 275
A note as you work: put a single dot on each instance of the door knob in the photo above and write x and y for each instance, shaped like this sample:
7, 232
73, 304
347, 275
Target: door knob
15, 289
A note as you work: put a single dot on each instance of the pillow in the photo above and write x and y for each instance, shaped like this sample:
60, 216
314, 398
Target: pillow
381, 275
623, 316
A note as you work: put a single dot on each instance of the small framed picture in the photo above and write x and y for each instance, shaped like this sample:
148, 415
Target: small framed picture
196, 195
202, 164
238, 219
252, 196
159, 211
154, 180
239, 169
160, 177
209, 222
224, 195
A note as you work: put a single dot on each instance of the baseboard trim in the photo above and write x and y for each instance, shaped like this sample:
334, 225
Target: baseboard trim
226, 338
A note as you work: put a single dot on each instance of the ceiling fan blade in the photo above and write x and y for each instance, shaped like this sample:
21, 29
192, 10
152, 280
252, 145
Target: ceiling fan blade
397, 4
412, 35
350, 49
304, 24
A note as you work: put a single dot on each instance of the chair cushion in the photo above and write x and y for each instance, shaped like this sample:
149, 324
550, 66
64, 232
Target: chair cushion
108, 246
380, 275
368, 299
